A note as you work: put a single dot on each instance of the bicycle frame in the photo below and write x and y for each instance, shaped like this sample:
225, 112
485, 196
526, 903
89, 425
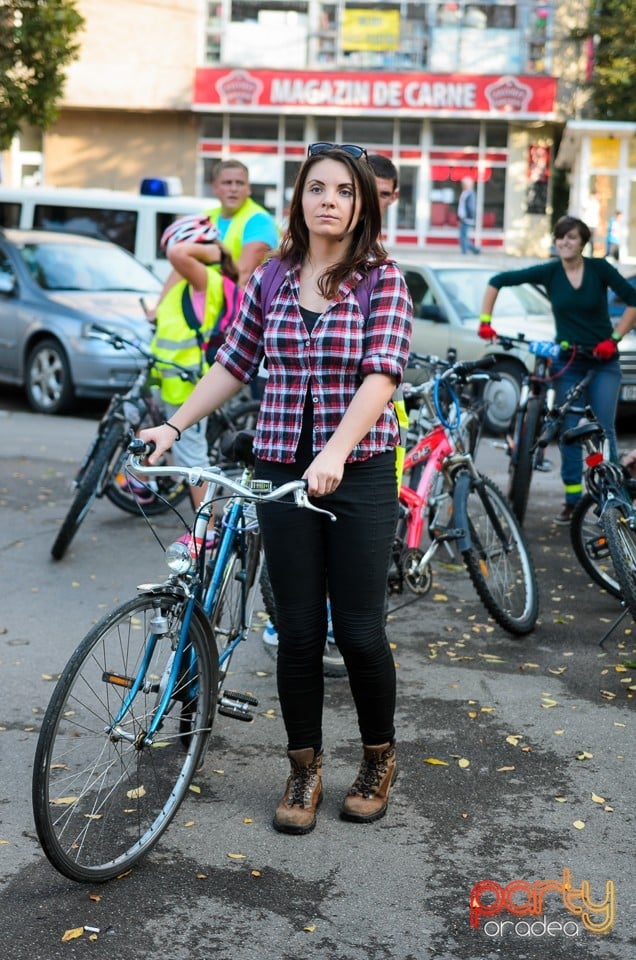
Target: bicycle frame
432, 449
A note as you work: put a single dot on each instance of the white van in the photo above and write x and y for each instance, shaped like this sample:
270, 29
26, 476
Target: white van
133, 221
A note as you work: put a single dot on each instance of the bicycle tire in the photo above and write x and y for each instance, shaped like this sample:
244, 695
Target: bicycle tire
238, 416
617, 518
590, 545
170, 492
238, 586
521, 465
504, 578
101, 802
88, 487
333, 664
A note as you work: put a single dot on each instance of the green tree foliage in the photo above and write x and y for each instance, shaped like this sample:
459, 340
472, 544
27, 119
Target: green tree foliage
613, 26
37, 42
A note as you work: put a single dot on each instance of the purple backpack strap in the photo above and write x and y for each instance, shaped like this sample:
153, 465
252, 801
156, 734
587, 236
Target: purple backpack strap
276, 269
271, 280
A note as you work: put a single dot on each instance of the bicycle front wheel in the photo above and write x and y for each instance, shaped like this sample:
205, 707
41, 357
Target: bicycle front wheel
102, 795
522, 463
498, 561
619, 523
234, 608
89, 487
590, 545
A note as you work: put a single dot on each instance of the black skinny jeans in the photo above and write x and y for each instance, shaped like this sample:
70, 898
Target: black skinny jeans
308, 556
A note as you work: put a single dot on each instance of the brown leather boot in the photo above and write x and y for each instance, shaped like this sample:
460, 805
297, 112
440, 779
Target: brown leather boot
368, 798
296, 812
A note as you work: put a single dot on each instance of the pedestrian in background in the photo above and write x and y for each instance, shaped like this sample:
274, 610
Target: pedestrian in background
467, 215
615, 236
326, 416
246, 229
386, 178
577, 289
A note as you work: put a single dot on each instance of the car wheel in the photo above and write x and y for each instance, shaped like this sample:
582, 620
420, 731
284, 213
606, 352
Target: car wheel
502, 396
48, 378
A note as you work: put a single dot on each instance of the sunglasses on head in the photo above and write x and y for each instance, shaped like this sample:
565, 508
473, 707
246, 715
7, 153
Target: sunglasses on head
323, 147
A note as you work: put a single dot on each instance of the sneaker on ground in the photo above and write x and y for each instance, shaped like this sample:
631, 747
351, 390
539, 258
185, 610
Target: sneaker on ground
138, 491
270, 635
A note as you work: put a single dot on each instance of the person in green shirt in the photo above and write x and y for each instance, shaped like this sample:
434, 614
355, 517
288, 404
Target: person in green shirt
577, 289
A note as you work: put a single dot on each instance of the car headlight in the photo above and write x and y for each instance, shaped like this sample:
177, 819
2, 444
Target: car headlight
178, 558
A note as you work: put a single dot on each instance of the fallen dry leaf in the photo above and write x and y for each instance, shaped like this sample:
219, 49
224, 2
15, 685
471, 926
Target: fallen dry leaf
598, 799
73, 934
237, 856
435, 762
579, 824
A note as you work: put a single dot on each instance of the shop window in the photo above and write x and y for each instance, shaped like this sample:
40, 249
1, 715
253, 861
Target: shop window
410, 133
253, 127
212, 127
367, 131
406, 198
294, 129
325, 129
496, 134
454, 134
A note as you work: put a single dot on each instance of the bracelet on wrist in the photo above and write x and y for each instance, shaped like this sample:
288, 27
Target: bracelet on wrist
616, 336
167, 423
485, 317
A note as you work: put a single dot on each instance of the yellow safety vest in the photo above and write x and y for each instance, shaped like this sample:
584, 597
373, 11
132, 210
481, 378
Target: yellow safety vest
233, 238
403, 422
175, 340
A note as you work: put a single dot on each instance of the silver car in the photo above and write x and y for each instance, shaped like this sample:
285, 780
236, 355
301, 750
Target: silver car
53, 286
447, 297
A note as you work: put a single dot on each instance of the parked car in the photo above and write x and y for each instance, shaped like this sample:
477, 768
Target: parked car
53, 286
447, 299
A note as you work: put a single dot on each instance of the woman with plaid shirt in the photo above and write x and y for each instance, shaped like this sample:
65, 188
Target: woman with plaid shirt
327, 416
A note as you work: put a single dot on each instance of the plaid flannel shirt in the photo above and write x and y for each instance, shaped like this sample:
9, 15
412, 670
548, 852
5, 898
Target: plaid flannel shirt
330, 363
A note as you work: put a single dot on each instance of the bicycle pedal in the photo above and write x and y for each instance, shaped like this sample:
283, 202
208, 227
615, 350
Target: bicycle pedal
236, 705
448, 533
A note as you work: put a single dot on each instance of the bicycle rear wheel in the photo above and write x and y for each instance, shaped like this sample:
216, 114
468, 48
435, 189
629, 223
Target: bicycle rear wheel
590, 545
90, 485
522, 462
498, 561
102, 797
619, 524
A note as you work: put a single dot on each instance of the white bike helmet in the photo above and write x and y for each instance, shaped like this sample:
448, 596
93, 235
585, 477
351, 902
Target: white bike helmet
197, 229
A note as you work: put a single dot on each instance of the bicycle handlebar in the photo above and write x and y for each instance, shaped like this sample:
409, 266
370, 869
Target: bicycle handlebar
119, 341
260, 491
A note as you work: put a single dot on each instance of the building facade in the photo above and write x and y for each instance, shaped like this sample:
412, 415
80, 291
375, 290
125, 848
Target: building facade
446, 89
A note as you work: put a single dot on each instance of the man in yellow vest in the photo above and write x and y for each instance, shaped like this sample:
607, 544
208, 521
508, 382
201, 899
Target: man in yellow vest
247, 230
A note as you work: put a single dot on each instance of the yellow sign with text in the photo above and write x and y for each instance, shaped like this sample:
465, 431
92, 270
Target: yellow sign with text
371, 30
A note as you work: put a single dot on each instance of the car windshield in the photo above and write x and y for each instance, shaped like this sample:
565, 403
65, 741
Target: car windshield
465, 290
85, 267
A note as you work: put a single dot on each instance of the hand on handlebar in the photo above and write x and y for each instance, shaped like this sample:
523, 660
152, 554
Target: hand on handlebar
324, 474
605, 350
486, 331
162, 436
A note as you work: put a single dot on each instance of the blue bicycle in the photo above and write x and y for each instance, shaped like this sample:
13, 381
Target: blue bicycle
131, 715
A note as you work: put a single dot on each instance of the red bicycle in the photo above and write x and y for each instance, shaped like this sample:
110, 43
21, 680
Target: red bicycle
461, 508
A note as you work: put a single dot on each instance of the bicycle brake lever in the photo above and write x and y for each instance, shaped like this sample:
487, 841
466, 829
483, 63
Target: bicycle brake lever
302, 500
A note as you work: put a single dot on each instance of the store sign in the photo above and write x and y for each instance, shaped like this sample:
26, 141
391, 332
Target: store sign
418, 93
370, 29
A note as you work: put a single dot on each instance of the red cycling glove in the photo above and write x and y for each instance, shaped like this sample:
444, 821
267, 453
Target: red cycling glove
486, 331
605, 350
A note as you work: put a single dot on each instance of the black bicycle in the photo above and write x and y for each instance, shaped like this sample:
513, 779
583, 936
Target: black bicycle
538, 420
603, 526
101, 471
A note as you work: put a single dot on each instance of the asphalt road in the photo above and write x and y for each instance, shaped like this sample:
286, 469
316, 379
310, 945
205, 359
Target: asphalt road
534, 743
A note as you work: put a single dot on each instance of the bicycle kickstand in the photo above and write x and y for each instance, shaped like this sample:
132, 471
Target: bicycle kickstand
611, 630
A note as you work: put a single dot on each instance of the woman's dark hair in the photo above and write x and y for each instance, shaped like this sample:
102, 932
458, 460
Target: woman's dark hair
567, 223
227, 265
366, 249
